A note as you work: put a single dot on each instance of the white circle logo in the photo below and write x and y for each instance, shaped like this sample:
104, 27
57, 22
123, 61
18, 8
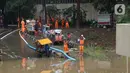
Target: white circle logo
119, 9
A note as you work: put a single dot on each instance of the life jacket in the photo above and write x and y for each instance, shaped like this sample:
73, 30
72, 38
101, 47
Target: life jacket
56, 24
23, 24
67, 25
81, 42
65, 44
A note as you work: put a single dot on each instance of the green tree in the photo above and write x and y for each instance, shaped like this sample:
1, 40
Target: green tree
72, 12
124, 18
24, 8
2, 4
52, 11
104, 5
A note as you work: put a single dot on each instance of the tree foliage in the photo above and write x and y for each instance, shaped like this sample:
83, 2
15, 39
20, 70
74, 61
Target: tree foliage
104, 5
2, 4
52, 10
124, 18
72, 12
23, 8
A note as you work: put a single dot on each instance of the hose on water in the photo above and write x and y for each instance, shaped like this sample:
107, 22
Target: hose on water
52, 48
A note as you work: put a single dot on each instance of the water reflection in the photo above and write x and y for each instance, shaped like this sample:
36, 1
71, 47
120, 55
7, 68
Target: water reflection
58, 65
24, 63
22, 45
49, 65
81, 65
67, 67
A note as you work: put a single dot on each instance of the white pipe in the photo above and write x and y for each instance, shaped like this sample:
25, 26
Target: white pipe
9, 34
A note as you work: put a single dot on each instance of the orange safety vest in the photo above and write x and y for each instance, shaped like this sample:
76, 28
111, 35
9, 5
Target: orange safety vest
81, 42
67, 25
23, 26
66, 49
56, 24
81, 46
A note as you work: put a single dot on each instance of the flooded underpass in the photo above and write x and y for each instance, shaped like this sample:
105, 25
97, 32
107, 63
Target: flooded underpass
21, 59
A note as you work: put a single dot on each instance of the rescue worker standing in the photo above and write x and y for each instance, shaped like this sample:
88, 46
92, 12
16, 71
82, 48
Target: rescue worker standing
67, 24
23, 25
66, 49
56, 24
81, 44
63, 22
18, 21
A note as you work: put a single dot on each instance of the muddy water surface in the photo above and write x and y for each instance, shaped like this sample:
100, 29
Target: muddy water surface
24, 60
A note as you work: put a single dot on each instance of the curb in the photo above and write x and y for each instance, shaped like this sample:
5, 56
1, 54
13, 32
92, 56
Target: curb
8, 34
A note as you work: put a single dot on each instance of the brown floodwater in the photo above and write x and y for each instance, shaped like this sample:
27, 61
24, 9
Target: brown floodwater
21, 59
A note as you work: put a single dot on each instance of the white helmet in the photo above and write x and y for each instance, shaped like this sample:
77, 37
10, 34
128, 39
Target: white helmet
82, 35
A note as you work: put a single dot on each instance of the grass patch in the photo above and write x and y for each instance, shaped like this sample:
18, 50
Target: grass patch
95, 52
92, 36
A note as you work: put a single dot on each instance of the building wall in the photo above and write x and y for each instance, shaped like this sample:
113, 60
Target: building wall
91, 12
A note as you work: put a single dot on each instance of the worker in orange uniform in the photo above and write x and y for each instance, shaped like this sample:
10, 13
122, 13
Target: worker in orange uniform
81, 44
56, 24
66, 49
81, 64
18, 20
63, 22
67, 24
23, 25
24, 60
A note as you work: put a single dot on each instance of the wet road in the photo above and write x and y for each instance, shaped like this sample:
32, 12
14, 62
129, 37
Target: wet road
20, 59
